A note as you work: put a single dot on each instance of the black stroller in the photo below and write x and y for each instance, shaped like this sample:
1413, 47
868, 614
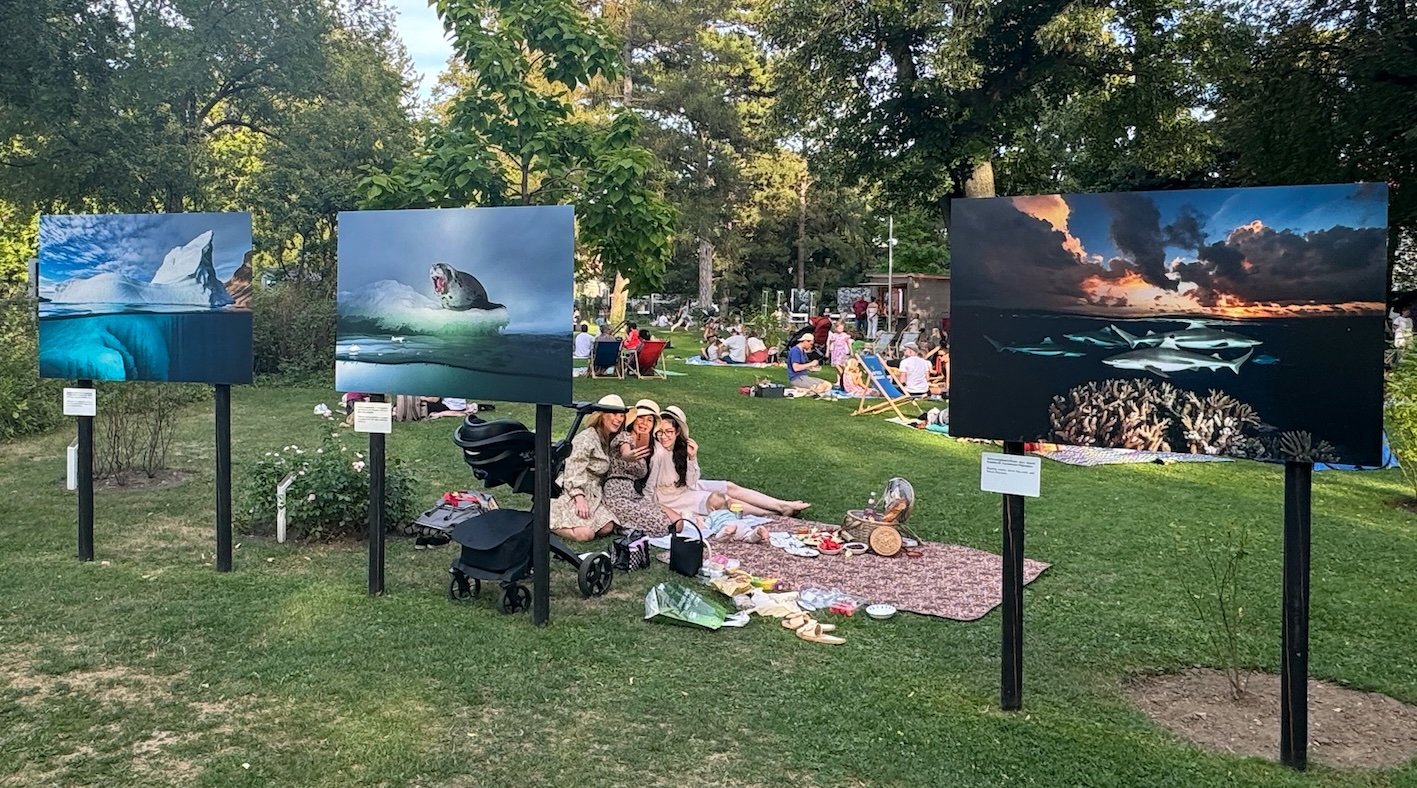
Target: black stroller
496, 544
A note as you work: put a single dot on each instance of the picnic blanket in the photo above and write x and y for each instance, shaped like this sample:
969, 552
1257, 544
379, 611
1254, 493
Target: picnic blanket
947, 581
580, 372
699, 361
1096, 455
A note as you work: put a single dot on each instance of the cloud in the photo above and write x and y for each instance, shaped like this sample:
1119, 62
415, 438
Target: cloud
1016, 259
1136, 230
1052, 209
1256, 263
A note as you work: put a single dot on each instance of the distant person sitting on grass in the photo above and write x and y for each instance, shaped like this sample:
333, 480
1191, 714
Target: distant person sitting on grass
715, 352
737, 346
757, 350
438, 407
800, 367
583, 343
914, 373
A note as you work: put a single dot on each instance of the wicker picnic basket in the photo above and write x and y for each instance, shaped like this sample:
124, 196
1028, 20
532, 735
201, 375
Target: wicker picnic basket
882, 537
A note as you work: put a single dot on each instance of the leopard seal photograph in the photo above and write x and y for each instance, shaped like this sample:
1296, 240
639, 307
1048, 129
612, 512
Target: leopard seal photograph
459, 290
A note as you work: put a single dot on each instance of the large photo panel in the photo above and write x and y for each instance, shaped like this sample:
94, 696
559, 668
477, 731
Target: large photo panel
163, 297
1237, 322
472, 303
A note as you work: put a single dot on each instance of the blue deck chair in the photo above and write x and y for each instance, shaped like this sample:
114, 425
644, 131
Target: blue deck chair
606, 356
884, 384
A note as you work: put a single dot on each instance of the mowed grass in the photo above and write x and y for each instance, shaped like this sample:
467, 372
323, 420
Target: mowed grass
146, 667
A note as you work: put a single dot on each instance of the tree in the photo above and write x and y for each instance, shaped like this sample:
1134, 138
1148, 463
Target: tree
925, 100
122, 106
513, 135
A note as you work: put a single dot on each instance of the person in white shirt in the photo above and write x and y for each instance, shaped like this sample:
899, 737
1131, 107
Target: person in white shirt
914, 372
737, 346
873, 319
583, 342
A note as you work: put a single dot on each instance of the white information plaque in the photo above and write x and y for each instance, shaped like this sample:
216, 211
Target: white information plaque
1010, 474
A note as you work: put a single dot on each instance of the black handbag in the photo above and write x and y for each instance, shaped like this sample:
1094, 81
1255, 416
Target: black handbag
630, 551
686, 555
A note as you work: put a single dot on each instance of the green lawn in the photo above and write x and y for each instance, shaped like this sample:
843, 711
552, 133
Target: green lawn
147, 667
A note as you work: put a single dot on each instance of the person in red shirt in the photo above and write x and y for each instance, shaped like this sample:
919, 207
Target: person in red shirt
821, 326
632, 337
858, 308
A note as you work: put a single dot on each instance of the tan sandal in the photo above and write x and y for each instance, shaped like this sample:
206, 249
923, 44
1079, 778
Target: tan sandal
799, 620
816, 633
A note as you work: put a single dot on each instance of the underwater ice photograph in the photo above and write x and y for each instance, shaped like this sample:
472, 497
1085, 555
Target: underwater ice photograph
164, 297
1237, 322
472, 303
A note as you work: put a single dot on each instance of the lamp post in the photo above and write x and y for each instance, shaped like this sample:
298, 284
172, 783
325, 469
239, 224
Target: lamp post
890, 273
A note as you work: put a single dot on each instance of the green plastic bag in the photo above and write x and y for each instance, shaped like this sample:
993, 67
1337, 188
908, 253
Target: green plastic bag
672, 603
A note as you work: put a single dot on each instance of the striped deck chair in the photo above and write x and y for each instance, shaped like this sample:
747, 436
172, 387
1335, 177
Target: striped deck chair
883, 384
606, 355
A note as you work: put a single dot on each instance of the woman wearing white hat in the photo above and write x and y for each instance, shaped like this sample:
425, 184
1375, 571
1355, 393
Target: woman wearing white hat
674, 475
629, 463
579, 513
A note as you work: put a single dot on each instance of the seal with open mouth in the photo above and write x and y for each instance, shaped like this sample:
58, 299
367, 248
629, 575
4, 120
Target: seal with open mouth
459, 290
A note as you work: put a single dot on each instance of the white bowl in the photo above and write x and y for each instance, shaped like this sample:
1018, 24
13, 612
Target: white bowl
880, 612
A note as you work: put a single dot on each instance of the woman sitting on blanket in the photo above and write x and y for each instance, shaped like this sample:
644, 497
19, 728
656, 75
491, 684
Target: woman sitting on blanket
579, 514
756, 348
629, 463
675, 483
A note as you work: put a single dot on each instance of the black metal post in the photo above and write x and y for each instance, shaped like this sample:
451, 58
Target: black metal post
85, 482
541, 524
376, 508
223, 477
1294, 665
1011, 662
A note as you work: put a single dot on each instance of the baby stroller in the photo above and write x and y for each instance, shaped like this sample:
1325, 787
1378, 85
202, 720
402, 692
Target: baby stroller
496, 544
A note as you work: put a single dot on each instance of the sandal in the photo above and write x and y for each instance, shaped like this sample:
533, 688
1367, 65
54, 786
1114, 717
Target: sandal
816, 633
795, 621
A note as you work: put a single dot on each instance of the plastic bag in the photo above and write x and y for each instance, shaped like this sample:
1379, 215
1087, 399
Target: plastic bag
672, 603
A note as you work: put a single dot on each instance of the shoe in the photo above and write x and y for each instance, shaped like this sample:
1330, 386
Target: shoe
814, 632
425, 542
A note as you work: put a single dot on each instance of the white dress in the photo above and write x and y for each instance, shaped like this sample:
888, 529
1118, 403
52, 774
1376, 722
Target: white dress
662, 483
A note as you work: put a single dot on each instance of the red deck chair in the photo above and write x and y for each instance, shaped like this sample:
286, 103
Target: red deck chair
646, 362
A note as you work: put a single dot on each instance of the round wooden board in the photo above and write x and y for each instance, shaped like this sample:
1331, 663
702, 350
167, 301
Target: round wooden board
885, 541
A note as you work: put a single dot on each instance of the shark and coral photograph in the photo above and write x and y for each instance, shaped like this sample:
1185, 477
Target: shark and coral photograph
473, 303
164, 297
1154, 318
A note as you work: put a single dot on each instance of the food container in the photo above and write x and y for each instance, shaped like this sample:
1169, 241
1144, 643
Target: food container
880, 612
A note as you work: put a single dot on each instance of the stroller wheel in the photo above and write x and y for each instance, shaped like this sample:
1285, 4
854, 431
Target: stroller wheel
595, 575
514, 599
460, 589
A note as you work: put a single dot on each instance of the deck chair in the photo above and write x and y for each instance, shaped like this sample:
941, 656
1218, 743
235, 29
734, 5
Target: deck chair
606, 355
645, 361
883, 384
905, 336
883, 342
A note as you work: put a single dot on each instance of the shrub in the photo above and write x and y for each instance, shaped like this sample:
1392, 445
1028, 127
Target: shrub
136, 423
329, 498
28, 405
1215, 589
1402, 416
293, 328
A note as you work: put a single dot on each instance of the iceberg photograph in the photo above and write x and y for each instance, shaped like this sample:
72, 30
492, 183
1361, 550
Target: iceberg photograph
161, 297
1237, 322
472, 303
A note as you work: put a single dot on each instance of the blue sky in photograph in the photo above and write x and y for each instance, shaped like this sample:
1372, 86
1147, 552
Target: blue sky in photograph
422, 33
83, 245
523, 256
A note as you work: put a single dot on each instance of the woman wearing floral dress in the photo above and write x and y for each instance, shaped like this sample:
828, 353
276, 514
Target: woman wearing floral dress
629, 463
579, 514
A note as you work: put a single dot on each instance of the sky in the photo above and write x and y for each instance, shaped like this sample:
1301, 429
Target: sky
1257, 252
523, 256
423, 37
82, 245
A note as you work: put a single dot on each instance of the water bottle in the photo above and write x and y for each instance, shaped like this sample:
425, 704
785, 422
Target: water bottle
871, 507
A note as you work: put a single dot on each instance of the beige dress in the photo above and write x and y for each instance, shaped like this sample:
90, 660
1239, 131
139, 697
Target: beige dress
583, 473
662, 484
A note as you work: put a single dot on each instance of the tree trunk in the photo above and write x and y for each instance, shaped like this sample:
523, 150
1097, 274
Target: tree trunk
980, 182
618, 298
705, 272
802, 231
